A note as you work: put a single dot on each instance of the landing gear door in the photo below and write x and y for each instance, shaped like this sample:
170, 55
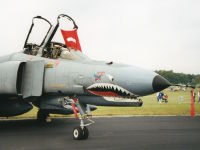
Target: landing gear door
33, 74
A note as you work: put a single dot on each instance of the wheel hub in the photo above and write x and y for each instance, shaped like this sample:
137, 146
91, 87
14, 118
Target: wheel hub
76, 133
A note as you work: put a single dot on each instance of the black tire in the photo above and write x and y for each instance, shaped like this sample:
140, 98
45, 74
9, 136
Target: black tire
42, 116
85, 133
77, 133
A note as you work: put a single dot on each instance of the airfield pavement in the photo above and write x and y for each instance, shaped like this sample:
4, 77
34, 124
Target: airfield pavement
108, 133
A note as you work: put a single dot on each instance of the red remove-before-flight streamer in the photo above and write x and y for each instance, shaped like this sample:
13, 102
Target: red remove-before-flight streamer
71, 39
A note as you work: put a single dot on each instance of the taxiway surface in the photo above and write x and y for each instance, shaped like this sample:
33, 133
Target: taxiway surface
108, 133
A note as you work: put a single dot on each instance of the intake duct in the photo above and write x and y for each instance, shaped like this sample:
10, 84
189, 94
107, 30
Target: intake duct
11, 77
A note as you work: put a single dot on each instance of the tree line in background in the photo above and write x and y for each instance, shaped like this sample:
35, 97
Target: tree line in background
180, 78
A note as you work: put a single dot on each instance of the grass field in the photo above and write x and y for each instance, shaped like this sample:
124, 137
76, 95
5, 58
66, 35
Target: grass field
150, 107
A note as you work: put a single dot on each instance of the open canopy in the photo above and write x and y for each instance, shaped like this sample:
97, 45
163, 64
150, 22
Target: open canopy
49, 49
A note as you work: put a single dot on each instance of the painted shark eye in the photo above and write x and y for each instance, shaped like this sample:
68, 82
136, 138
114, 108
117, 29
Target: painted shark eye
111, 78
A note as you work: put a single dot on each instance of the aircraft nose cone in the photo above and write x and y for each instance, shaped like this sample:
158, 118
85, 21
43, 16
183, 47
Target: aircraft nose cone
159, 83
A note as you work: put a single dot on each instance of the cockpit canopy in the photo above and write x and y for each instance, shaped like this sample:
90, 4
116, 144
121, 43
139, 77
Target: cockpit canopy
51, 49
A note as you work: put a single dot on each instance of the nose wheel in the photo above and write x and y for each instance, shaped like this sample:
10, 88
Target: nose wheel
80, 133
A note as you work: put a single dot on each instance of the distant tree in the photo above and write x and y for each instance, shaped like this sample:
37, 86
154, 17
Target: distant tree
196, 80
179, 78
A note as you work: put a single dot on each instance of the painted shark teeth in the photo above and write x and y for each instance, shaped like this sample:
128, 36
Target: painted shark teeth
107, 87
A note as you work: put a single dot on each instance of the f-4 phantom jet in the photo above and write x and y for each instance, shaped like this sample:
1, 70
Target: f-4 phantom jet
58, 78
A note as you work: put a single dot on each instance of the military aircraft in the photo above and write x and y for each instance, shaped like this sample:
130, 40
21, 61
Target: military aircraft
58, 78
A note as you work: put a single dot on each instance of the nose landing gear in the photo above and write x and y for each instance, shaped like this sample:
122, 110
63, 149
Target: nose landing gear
81, 132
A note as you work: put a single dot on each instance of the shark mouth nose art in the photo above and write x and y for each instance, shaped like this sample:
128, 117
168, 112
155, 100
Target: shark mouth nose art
109, 90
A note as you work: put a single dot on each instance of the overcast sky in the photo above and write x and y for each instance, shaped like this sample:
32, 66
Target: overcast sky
151, 34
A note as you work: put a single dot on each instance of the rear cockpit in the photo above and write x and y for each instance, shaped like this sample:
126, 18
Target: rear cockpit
47, 48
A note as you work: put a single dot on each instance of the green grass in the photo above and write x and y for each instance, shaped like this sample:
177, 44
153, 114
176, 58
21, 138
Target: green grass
150, 107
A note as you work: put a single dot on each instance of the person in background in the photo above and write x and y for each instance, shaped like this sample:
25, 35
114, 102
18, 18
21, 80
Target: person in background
158, 96
199, 95
165, 98
193, 95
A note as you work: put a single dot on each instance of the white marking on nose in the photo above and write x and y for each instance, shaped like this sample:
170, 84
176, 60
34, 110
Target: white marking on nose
70, 39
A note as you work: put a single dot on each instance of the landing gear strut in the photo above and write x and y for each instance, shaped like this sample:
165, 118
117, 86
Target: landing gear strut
81, 132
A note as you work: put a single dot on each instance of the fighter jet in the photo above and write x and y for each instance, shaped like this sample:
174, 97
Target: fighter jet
58, 78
